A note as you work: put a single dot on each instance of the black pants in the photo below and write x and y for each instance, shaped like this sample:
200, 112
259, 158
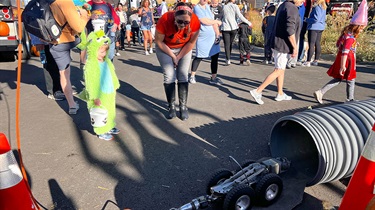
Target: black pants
214, 63
135, 32
314, 38
245, 49
52, 69
228, 37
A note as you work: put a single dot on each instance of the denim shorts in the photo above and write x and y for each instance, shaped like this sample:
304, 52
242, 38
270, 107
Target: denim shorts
148, 28
61, 53
128, 27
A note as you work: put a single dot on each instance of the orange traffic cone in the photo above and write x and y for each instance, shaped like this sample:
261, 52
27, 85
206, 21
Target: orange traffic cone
14, 193
361, 188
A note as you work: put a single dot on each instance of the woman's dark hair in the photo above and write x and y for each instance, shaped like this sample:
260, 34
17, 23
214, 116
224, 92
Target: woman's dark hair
182, 11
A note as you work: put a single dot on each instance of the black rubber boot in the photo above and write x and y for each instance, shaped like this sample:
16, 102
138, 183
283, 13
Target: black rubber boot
170, 92
183, 90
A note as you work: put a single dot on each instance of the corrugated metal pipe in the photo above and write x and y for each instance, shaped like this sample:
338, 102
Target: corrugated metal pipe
325, 143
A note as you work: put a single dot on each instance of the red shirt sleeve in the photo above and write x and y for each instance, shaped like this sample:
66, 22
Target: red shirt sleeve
116, 19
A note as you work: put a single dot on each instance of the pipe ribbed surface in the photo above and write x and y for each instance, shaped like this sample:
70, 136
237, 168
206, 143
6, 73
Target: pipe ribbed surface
325, 143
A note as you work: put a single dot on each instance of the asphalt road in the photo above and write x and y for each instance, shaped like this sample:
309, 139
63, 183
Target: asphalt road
156, 163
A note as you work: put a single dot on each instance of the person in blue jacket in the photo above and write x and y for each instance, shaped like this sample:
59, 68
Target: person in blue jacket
316, 24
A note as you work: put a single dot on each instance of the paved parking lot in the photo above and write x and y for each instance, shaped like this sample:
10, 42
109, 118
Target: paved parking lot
156, 163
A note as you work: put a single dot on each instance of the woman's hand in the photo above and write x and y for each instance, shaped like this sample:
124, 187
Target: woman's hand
342, 71
97, 102
175, 59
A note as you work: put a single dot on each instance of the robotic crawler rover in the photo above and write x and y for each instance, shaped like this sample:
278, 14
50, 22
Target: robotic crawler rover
253, 182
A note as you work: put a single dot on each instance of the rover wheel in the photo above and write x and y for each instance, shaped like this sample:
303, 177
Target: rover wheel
240, 197
217, 178
268, 189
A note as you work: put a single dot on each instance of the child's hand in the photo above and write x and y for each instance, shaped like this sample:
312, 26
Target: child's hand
97, 102
87, 6
342, 71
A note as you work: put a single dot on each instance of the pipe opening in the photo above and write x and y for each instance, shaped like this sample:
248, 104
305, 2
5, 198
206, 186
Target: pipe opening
291, 140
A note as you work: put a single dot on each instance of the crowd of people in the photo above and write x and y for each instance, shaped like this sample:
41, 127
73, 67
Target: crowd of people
176, 33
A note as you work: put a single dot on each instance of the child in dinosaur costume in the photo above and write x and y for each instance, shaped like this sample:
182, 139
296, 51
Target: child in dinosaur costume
101, 82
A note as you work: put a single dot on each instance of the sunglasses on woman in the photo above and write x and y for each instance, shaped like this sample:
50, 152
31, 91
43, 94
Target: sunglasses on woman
180, 22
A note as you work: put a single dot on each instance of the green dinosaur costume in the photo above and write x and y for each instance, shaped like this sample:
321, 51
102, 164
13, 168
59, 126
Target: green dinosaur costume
97, 84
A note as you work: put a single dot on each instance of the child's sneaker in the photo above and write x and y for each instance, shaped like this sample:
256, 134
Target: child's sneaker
314, 63
117, 54
114, 131
319, 96
146, 53
247, 63
217, 40
257, 96
105, 136
151, 51
283, 97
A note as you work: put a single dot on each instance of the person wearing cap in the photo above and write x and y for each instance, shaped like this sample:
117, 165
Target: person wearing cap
344, 66
175, 36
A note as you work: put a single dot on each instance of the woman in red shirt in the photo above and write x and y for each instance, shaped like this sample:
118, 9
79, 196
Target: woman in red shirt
175, 36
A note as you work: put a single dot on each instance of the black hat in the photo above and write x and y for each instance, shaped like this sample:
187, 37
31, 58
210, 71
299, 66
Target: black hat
271, 8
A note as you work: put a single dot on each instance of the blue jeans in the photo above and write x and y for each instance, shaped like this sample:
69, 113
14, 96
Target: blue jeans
171, 73
112, 46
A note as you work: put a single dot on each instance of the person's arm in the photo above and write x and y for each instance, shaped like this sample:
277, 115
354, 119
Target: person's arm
188, 46
159, 40
76, 20
344, 56
209, 21
291, 21
292, 40
264, 25
240, 16
313, 18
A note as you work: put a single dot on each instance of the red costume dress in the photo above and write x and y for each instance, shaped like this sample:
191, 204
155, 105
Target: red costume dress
346, 46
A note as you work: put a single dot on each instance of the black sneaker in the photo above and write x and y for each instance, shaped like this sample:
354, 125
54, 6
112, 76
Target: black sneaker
59, 96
